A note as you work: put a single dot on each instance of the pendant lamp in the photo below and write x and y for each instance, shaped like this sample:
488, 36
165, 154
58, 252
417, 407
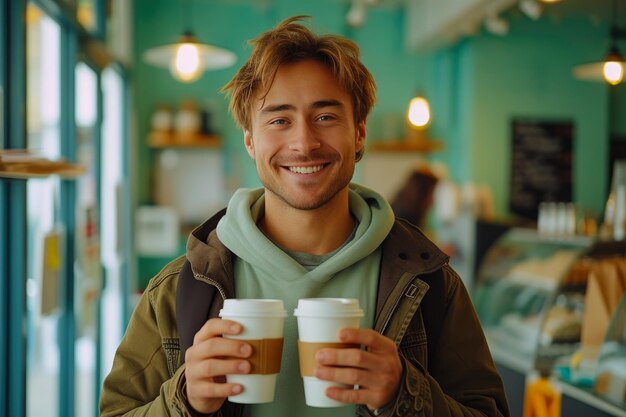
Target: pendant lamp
418, 112
188, 58
612, 69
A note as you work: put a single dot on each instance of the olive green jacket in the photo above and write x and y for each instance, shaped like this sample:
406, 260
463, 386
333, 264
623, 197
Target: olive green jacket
422, 305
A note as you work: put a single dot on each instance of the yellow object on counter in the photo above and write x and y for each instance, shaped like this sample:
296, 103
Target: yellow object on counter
542, 399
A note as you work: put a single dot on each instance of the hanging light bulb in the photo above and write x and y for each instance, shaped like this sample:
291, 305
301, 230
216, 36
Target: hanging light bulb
613, 72
186, 65
613, 68
418, 113
188, 58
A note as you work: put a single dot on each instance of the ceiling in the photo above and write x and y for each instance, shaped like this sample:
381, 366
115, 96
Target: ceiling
435, 23
595, 9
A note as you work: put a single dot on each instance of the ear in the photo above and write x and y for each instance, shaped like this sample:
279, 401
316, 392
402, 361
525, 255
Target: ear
248, 142
360, 136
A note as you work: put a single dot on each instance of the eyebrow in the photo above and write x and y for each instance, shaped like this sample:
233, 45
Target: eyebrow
316, 105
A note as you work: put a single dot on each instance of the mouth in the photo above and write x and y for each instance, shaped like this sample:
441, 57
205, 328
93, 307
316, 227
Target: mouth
306, 170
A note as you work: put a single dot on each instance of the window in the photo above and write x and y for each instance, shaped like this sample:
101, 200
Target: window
45, 239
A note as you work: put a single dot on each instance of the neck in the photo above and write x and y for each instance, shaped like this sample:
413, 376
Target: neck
316, 232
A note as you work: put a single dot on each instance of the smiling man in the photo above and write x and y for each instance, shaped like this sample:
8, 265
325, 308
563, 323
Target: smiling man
304, 138
302, 102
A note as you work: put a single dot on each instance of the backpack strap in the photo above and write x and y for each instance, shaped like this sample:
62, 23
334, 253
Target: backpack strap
192, 308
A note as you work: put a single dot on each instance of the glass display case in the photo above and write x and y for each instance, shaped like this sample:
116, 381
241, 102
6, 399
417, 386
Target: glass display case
529, 298
546, 304
610, 382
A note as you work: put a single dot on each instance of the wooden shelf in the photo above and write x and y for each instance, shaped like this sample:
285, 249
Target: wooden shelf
163, 140
419, 146
22, 164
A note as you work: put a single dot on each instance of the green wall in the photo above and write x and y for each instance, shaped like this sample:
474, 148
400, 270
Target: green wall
476, 86
528, 74
231, 25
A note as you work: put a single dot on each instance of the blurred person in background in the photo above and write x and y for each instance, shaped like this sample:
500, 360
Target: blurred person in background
415, 198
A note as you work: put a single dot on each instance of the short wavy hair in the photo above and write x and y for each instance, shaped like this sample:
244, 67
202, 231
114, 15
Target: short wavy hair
291, 42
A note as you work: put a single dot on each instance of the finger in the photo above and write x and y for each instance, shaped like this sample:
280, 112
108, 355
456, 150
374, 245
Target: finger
348, 376
207, 389
355, 358
217, 327
220, 347
367, 337
217, 367
356, 396
217, 347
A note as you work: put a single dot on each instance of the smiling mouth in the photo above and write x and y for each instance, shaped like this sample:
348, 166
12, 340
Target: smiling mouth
306, 170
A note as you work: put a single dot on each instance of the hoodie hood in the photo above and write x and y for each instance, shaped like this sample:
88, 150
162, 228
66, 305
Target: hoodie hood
238, 231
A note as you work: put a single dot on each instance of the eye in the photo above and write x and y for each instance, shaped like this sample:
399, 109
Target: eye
278, 122
325, 118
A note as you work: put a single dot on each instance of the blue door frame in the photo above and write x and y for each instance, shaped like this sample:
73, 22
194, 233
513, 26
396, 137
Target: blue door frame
13, 206
67, 331
13, 214
3, 216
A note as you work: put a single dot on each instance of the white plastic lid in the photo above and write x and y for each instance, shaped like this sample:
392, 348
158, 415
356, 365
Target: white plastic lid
328, 307
253, 307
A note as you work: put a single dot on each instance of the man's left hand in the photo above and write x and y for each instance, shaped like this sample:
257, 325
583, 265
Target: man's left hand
377, 370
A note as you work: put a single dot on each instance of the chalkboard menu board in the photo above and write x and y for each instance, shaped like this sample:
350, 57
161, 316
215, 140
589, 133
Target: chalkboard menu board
541, 166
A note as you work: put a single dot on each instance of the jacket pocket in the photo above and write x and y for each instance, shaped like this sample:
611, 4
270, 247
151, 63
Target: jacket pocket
171, 346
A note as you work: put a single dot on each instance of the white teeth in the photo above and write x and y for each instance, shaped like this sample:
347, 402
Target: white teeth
306, 170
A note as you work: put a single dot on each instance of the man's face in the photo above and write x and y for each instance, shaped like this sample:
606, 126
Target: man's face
303, 137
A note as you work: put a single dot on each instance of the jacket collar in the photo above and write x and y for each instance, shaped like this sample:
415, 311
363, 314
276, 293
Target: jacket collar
406, 249
214, 264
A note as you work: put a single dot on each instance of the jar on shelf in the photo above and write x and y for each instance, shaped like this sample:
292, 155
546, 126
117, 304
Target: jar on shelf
187, 122
161, 120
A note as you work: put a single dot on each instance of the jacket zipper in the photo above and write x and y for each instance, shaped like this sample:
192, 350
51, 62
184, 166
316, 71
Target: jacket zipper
406, 286
211, 282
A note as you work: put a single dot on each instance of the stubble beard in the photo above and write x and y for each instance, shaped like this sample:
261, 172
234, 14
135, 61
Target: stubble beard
328, 194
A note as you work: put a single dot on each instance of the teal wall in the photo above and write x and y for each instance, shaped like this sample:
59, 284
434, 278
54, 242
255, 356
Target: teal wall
158, 22
476, 87
528, 74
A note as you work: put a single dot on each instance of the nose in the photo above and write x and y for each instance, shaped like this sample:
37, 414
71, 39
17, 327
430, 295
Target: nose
304, 139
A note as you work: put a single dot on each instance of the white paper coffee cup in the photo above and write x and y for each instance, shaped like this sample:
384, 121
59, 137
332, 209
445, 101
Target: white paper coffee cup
319, 321
263, 324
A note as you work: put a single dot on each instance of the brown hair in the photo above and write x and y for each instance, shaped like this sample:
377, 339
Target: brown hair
291, 42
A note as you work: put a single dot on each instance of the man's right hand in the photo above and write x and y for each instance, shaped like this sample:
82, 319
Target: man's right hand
209, 359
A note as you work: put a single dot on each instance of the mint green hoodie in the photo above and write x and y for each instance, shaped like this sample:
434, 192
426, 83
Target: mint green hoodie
263, 270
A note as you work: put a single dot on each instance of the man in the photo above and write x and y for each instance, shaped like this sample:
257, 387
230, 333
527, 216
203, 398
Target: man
302, 101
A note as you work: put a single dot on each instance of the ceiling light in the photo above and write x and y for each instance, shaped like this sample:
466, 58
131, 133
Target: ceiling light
418, 113
611, 70
357, 14
531, 8
188, 58
497, 25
